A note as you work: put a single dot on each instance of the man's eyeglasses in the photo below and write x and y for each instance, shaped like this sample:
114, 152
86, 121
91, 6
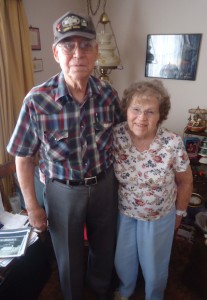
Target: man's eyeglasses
85, 46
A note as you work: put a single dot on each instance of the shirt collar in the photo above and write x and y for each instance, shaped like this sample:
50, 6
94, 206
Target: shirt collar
61, 87
94, 87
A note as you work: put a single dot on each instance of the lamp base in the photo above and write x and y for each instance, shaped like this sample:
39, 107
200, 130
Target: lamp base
104, 72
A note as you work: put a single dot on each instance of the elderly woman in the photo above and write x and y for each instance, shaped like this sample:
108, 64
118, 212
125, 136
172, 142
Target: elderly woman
155, 185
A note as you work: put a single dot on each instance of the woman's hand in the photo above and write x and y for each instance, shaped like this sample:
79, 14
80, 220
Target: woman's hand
177, 223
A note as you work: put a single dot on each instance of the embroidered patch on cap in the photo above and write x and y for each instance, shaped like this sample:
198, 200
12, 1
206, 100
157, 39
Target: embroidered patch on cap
70, 23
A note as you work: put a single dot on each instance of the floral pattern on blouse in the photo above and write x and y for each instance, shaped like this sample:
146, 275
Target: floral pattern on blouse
147, 188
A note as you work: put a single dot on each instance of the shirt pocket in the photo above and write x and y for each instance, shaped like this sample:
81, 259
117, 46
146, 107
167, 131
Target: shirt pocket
56, 145
103, 135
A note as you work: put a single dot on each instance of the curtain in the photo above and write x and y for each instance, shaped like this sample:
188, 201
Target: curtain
16, 73
16, 70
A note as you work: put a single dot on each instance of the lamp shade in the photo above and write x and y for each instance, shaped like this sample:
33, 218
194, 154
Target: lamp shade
106, 57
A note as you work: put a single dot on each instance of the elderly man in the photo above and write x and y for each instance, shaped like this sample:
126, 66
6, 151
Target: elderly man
68, 121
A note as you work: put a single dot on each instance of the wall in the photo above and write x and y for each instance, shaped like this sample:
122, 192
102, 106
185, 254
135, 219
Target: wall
132, 20
42, 14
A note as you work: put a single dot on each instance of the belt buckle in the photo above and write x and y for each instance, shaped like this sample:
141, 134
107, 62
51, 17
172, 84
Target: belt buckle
93, 180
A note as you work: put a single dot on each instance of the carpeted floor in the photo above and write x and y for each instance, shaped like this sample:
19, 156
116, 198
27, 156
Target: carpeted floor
187, 274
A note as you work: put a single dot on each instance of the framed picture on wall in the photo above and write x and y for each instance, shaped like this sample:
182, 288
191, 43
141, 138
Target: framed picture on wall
35, 38
37, 65
172, 56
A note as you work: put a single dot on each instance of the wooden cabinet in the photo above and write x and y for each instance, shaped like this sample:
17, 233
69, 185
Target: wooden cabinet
199, 169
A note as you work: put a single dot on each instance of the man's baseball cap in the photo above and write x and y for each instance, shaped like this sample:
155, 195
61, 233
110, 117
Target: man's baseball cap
73, 24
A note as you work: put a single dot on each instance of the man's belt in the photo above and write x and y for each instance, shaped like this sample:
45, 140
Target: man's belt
86, 181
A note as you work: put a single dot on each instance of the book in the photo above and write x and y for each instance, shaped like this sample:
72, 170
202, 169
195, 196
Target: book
192, 145
13, 242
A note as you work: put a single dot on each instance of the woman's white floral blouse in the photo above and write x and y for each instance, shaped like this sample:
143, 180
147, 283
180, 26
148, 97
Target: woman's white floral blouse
147, 188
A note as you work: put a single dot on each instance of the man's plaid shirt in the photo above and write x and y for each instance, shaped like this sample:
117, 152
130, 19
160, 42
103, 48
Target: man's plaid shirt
74, 141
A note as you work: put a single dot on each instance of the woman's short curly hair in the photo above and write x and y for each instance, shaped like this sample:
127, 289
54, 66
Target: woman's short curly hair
153, 88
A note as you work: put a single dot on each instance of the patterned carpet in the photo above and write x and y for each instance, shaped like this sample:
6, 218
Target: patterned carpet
187, 273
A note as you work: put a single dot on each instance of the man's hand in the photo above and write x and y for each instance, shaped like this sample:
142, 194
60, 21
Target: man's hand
25, 172
38, 218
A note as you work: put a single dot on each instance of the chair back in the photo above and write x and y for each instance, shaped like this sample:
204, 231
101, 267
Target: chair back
7, 171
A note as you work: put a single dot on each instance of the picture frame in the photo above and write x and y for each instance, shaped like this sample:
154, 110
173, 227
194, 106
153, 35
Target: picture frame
172, 56
37, 65
35, 38
192, 146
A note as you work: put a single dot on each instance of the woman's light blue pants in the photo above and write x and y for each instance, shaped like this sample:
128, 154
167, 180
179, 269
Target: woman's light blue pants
149, 244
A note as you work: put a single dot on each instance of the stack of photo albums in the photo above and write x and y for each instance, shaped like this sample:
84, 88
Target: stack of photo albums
15, 235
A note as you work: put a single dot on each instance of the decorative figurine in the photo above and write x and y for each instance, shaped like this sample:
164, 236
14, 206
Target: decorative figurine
197, 122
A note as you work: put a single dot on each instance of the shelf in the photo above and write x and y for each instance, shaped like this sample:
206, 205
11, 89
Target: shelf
201, 133
195, 161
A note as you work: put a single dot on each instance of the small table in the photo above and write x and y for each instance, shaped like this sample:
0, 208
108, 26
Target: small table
25, 276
